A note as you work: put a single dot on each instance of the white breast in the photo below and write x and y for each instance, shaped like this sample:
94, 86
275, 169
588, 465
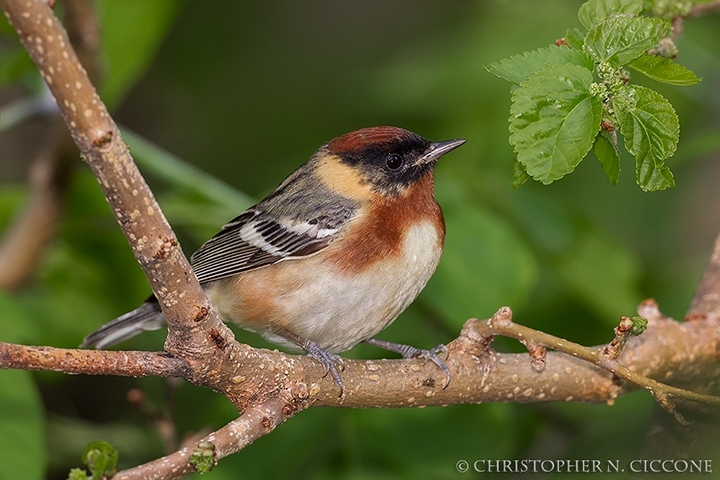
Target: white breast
340, 311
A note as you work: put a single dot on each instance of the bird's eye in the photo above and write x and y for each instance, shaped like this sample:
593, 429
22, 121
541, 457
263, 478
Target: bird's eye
393, 161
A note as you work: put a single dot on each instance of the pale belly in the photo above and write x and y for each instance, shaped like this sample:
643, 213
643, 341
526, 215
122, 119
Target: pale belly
337, 311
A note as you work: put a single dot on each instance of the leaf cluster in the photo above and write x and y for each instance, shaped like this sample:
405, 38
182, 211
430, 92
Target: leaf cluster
575, 96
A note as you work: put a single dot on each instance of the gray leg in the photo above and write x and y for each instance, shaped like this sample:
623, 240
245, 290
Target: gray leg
332, 362
408, 351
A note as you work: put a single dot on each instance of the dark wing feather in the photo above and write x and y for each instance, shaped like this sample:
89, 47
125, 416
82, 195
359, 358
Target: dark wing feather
299, 218
254, 240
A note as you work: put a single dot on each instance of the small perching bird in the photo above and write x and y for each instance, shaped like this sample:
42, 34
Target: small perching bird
331, 257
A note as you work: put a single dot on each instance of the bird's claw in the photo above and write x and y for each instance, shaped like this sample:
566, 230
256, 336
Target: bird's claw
408, 351
331, 362
432, 355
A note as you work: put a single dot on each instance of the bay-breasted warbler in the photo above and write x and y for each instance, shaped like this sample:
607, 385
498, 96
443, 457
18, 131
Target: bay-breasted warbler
331, 257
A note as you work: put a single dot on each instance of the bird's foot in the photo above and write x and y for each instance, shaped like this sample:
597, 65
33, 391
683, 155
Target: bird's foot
332, 362
408, 351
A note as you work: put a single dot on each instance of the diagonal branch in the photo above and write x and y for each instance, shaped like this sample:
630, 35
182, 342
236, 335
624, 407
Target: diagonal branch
256, 422
98, 138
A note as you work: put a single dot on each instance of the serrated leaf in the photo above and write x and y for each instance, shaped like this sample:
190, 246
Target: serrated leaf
575, 38
101, 458
554, 120
605, 150
518, 67
650, 128
594, 11
664, 70
621, 39
77, 474
520, 175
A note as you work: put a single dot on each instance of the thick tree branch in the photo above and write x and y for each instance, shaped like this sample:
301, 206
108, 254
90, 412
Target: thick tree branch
96, 135
479, 374
666, 438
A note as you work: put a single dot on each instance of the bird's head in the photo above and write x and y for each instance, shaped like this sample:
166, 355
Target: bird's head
382, 160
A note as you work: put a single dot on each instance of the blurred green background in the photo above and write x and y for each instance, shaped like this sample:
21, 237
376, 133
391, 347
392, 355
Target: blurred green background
245, 92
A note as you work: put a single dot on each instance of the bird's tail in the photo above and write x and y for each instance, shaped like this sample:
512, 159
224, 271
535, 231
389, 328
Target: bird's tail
146, 317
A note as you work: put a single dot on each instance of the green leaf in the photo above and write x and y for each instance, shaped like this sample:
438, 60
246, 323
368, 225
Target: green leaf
554, 120
575, 38
518, 67
129, 55
605, 149
520, 175
77, 474
594, 11
22, 443
203, 457
639, 325
650, 128
101, 458
619, 40
664, 70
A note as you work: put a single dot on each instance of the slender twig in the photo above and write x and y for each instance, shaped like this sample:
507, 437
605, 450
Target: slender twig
622, 334
159, 417
697, 10
90, 362
501, 324
256, 422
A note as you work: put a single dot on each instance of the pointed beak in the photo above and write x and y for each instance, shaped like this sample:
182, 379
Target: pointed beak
438, 149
